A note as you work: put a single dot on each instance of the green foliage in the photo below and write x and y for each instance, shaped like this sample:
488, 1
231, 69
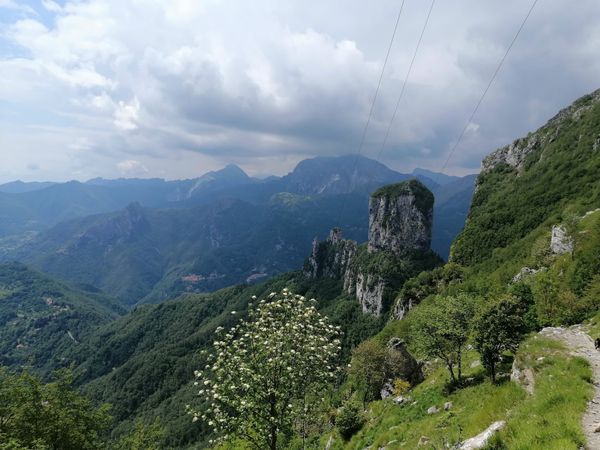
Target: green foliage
49, 416
143, 437
393, 270
367, 369
268, 372
42, 319
142, 255
423, 196
349, 419
550, 419
441, 329
510, 204
498, 328
401, 386
523, 295
427, 283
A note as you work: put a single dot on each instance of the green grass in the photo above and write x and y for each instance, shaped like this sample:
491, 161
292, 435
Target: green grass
550, 419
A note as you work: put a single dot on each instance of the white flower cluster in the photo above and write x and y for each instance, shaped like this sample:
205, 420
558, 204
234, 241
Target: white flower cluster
264, 369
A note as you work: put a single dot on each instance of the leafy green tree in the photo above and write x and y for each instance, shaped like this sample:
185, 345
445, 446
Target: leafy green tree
524, 296
49, 416
367, 368
498, 328
269, 373
441, 330
143, 437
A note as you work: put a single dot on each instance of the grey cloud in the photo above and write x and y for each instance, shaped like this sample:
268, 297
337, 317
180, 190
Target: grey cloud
269, 83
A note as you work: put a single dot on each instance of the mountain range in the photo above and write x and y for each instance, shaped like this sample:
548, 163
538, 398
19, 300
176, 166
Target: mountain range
532, 234
147, 240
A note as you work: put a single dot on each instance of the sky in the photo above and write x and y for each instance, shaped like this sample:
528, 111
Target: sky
173, 89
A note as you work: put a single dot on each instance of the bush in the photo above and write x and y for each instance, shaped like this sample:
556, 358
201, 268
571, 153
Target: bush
401, 386
349, 420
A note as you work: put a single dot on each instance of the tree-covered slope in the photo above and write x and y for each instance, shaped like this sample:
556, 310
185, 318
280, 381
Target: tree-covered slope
156, 255
41, 318
538, 179
144, 362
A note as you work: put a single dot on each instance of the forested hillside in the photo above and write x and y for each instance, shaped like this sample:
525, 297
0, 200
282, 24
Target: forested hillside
41, 318
226, 228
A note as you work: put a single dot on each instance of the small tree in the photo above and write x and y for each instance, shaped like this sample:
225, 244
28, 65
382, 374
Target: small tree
441, 330
367, 368
269, 371
498, 328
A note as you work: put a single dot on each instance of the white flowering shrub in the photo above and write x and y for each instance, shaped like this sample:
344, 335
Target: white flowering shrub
267, 373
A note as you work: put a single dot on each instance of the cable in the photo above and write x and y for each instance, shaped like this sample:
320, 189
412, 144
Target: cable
364, 133
385, 61
462, 134
387, 133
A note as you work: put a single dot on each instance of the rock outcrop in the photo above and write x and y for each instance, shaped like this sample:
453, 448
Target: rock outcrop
331, 258
482, 439
560, 242
526, 272
369, 291
515, 154
406, 366
400, 218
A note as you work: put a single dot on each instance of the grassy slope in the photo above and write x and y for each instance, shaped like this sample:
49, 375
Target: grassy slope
549, 419
559, 178
509, 227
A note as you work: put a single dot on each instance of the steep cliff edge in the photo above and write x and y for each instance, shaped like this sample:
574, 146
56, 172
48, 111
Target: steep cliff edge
536, 181
400, 221
400, 218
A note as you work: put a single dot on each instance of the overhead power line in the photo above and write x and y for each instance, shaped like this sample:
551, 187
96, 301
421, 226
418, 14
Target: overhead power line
385, 61
487, 88
414, 56
366, 127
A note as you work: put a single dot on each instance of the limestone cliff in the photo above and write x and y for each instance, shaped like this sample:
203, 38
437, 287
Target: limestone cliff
331, 258
400, 219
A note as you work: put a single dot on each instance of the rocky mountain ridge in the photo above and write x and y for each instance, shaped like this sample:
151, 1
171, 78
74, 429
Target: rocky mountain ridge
400, 223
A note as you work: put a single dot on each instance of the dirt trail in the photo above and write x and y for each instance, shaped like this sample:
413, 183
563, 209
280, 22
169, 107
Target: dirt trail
581, 344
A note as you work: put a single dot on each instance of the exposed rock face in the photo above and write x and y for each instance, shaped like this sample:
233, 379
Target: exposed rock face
522, 376
400, 218
561, 242
526, 272
407, 367
331, 258
515, 154
369, 292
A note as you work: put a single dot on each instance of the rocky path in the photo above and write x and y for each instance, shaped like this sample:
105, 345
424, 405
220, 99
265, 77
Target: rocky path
581, 344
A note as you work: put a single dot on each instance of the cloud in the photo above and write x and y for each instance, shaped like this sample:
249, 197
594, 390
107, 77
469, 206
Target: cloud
126, 114
189, 86
131, 168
